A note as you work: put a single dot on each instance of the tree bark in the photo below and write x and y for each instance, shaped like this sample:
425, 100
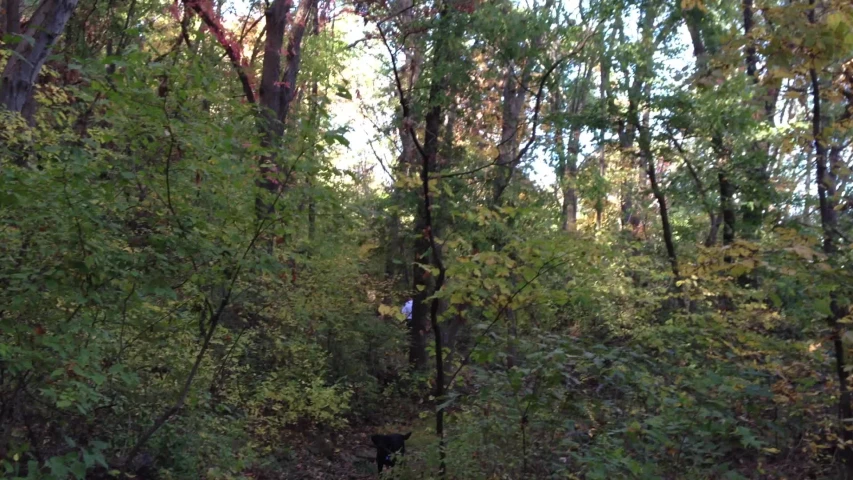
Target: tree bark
396, 252
630, 221
827, 181
693, 18
314, 120
405, 79
713, 219
648, 156
429, 164
727, 210
277, 90
756, 190
643, 127
561, 170
22, 68
514, 96
13, 17
515, 88
568, 153
607, 98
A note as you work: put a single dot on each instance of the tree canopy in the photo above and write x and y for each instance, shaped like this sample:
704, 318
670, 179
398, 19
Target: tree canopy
624, 227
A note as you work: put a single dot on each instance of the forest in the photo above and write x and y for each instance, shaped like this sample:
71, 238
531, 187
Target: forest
460, 239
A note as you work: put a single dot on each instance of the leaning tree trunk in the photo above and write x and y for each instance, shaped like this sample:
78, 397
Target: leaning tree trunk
22, 68
643, 127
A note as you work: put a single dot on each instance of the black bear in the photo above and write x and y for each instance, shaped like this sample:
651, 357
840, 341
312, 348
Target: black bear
387, 446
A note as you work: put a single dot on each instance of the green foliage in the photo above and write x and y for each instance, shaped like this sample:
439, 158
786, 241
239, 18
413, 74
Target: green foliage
185, 295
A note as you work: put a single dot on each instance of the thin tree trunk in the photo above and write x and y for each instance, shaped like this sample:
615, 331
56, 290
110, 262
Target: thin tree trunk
568, 159
648, 155
727, 210
643, 127
515, 89
826, 187
751, 54
606, 97
314, 121
570, 192
560, 149
514, 96
726, 217
713, 219
625, 131
756, 189
407, 163
429, 157
396, 256
806, 209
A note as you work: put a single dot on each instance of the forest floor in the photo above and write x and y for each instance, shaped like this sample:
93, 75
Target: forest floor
349, 453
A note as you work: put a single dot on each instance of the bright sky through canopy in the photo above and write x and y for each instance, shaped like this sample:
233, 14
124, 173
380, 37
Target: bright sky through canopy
369, 108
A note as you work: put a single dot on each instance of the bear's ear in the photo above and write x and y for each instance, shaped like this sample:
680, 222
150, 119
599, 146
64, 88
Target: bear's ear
376, 439
406, 436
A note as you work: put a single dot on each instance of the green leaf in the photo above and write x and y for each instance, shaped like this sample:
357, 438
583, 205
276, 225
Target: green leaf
343, 92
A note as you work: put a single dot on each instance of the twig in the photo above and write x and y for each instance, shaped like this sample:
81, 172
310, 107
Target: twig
230, 50
404, 100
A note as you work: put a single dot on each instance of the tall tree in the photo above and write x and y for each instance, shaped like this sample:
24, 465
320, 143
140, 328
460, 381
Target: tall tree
828, 164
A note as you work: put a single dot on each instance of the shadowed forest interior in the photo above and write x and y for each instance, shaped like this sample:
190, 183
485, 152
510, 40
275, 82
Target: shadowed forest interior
568, 239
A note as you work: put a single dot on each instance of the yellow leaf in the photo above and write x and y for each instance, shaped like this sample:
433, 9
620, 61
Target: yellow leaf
803, 251
835, 19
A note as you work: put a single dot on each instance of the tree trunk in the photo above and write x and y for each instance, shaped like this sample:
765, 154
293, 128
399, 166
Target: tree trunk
429, 157
570, 193
567, 165
605, 91
827, 181
630, 221
514, 99
277, 91
726, 217
397, 261
514, 96
727, 210
315, 125
648, 156
420, 324
643, 127
22, 68
13, 17
756, 189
